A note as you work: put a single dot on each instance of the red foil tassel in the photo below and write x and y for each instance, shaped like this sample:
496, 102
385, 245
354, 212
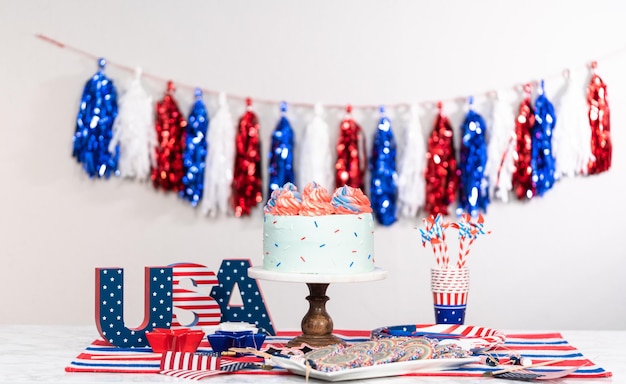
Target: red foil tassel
170, 129
522, 176
351, 156
247, 180
600, 122
442, 176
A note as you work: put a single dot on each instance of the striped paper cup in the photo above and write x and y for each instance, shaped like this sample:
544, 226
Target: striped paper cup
450, 289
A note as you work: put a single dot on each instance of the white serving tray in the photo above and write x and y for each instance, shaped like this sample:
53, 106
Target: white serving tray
382, 370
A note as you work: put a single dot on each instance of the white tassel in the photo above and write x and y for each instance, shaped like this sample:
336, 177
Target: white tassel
218, 174
315, 157
572, 136
412, 154
134, 130
500, 147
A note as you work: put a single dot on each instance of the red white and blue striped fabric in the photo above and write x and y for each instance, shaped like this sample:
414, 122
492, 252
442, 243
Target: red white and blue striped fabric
537, 346
196, 366
193, 366
207, 311
190, 361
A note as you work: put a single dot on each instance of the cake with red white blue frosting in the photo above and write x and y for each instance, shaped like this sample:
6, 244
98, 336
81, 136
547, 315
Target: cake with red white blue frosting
313, 232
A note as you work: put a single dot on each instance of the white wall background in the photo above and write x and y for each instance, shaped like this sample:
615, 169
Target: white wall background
556, 262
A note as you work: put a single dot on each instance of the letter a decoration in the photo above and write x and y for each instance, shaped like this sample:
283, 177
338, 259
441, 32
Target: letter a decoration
110, 305
233, 274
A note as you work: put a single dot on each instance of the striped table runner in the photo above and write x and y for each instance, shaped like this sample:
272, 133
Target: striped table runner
537, 346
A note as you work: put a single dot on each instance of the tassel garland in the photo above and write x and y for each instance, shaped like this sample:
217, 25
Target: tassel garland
133, 131
314, 155
522, 177
94, 126
280, 169
218, 175
571, 138
411, 183
600, 122
473, 184
170, 129
383, 187
501, 142
542, 161
220, 169
441, 167
247, 181
195, 151
351, 156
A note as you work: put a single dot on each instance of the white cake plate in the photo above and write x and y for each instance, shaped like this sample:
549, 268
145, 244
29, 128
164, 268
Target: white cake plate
263, 274
317, 325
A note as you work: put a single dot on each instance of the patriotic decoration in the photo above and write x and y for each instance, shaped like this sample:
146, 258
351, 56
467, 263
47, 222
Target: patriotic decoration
110, 305
450, 282
434, 233
501, 145
351, 154
524, 123
383, 182
94, 126
195, 152
281, 170
169, 299
199, 303
600, 122
179, 339
412, 154
450, 288
571, 137
314, 156
542, 159
218, 176
170, 129
232, 276
133, 131
441, 168
540, 347
527, 164
473, 183
197, 366
247, 178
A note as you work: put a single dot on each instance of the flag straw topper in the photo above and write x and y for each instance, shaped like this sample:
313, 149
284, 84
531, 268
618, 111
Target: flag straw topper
434, 232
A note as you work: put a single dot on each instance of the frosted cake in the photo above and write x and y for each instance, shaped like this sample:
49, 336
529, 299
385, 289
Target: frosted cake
312, 232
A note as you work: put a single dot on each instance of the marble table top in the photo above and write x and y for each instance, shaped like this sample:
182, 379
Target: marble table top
39, 354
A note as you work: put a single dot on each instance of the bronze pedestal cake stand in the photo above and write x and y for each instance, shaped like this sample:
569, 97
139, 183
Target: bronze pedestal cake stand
317, 325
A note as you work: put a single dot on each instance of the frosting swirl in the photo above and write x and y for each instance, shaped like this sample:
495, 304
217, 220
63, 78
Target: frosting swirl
316, 201
348, 200
285, 201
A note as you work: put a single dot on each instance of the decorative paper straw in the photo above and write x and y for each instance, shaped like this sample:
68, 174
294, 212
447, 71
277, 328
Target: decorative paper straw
434, 232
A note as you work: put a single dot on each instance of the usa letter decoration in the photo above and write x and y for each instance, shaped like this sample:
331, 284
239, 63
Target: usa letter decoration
234, 273
207, 300
110, 305
196, 300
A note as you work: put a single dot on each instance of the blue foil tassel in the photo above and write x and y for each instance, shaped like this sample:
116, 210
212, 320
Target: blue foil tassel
542, 158
383, 181
195, 151
94, 126
474, 184
281, 154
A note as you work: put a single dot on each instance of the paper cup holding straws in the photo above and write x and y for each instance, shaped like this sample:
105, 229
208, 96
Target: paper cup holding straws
450, 287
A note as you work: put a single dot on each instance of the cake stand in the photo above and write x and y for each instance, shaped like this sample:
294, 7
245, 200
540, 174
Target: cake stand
317, 325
